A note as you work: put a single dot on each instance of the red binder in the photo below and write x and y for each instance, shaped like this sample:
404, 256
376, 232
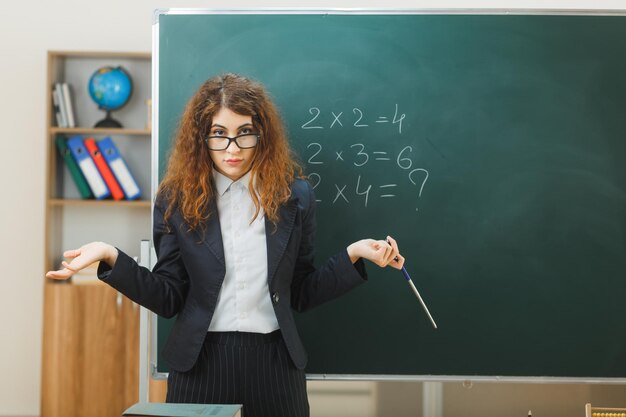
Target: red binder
105, 171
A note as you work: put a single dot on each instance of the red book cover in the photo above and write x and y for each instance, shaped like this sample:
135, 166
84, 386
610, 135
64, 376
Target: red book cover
103, 167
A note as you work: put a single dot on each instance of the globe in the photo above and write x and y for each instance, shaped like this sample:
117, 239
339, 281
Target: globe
110, 88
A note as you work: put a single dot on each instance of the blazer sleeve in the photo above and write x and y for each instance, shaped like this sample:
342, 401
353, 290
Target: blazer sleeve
313, 286
162, 290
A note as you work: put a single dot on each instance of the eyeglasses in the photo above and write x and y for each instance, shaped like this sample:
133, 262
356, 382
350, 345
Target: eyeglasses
220, 143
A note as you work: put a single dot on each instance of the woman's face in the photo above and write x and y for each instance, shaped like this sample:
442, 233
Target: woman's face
232, 162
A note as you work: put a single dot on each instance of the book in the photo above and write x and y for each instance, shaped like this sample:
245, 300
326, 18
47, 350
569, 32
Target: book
57, 109
120, 169
74, 169
67, 101
88, 167
103, 168
183, 410
61, 100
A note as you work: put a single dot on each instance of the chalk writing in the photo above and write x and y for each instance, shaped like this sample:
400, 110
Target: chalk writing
359, 190
360, 119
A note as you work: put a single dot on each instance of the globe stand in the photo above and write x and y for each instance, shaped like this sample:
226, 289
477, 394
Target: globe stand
108, 121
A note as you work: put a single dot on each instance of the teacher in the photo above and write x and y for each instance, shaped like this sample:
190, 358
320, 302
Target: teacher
234, 233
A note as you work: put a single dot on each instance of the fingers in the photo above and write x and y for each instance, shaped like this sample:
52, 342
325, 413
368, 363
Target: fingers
61, 274
393, 243
391, 256
67, 270
64, 273
72, 253
69, 267
398, 260
383, 253
76, 264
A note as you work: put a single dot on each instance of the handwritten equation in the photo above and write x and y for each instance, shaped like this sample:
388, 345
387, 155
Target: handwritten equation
357, 119
358, 190
359, 156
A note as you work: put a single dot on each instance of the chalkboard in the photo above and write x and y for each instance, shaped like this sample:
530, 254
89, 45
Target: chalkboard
493, 147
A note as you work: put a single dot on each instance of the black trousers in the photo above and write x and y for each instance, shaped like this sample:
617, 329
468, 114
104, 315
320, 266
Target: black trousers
243, 368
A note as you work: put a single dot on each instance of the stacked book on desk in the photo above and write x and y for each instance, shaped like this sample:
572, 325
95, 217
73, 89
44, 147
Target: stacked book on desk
98, 168
183, 410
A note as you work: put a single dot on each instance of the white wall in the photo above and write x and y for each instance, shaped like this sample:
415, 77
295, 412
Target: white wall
27, 31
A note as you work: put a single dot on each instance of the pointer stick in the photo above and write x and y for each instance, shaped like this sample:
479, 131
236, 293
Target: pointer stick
419, 297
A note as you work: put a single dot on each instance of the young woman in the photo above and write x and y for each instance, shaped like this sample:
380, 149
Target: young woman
234, 229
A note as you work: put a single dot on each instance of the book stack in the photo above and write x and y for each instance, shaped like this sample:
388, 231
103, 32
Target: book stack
97, 168
62, 103
183, 410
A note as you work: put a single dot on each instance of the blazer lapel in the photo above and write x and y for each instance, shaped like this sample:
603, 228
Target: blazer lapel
211, 234
277, 237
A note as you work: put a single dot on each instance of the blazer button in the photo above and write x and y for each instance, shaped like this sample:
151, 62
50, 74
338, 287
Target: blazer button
275, 298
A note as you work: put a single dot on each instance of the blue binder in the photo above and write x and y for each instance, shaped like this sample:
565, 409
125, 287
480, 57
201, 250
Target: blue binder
88, 167
120, 169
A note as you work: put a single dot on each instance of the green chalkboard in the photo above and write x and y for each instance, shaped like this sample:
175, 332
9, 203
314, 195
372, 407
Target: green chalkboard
493, 147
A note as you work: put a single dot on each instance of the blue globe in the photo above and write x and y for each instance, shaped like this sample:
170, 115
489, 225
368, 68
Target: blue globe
110, 87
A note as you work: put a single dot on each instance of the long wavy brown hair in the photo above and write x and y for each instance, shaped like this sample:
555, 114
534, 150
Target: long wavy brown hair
188, 183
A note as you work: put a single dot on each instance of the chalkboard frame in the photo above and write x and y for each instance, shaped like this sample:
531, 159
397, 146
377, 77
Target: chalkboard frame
152, 320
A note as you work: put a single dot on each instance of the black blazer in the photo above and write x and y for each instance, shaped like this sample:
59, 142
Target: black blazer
188, 276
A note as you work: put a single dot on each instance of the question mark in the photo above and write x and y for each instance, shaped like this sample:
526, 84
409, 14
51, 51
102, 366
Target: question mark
314, 176
423, 182
317, 177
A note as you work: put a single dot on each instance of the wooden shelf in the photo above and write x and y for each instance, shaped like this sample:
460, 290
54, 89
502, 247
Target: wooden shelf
98, 54
99, 203
90, 350
99, 131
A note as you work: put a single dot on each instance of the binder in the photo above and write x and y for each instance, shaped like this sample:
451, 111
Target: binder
59, 91
120, 169
88, 167
72, 166
104, 169
67, 101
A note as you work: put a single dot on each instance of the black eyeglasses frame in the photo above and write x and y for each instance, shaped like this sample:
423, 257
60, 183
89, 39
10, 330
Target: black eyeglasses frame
233, 139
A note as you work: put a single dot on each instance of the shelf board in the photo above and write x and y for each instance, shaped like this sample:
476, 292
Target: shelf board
98, 54
99, 131
98, 203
